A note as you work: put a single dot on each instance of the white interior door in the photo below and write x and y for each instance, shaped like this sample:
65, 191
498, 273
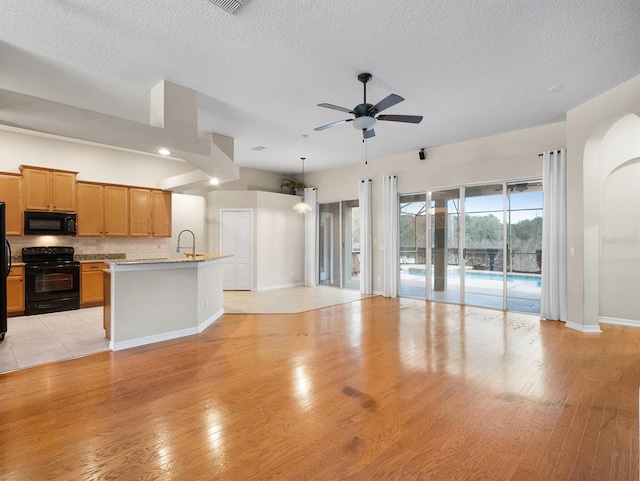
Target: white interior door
236, 241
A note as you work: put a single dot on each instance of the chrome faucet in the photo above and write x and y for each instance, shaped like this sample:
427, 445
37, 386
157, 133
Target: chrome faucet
193, 247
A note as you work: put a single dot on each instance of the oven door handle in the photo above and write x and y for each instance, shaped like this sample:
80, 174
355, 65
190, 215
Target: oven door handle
9, 256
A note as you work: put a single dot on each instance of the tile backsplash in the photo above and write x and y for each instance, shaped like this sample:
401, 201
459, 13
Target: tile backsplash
97, 247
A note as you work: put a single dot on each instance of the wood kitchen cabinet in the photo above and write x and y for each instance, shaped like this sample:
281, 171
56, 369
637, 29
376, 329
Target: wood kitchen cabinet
116, 211
161, 219
103, 210
48, 189
140, 204
11, 195
15, 291
90, 209
91, 283
149, 212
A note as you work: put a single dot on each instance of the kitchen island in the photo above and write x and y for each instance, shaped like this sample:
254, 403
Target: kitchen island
154, 300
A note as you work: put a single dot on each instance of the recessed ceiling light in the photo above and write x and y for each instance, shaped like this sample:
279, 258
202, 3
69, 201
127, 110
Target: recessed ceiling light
164, 151
214, 181
555, 88
304, 136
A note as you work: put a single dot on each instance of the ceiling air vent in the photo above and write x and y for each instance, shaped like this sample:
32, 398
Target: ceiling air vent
229, 5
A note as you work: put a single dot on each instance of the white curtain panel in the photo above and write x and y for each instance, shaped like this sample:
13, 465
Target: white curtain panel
553, 298
310, 238
366, 254
390, 236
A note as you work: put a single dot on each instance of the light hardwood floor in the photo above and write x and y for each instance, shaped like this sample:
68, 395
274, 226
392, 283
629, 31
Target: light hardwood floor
392, 389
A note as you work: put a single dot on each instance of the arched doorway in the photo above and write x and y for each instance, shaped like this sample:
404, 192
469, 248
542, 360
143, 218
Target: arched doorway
612, 223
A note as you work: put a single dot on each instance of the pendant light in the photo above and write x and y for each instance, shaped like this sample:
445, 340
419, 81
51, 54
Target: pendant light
302, 207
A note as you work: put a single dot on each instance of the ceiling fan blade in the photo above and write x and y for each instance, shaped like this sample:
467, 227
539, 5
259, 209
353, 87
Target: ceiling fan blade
336, 107
367, 134
385, 103
412, 119
333, 124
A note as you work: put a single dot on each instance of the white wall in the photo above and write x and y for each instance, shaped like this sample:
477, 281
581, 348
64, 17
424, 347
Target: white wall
587, 126
254, 179
92, 162
280, 241
507, 156
278, 245
187, 212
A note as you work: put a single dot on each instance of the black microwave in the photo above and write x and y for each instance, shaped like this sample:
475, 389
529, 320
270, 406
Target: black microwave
49, 223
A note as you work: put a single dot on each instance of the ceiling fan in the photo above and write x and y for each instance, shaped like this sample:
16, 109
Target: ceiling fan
366, 115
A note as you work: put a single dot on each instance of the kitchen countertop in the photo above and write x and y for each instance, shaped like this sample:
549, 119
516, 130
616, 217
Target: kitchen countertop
199, 258
100, 261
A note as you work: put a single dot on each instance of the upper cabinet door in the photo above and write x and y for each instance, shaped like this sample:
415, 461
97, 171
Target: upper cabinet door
11, 195
48, 189
116, 211
37, 189
140, 203
161, 213
90, 210
63, 191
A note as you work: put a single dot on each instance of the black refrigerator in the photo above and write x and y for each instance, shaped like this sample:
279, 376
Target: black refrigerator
5, 267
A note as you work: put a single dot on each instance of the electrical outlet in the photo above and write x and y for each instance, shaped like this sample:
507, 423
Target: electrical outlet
206, 302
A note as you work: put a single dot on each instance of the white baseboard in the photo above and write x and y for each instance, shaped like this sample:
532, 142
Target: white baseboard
582, 328
165, 336
210, 321
620, 322
142, 341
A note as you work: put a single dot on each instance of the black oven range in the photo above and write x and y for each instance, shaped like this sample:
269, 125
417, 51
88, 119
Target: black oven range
52, 280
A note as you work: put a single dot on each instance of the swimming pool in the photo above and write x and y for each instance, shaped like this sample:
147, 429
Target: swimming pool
530, 280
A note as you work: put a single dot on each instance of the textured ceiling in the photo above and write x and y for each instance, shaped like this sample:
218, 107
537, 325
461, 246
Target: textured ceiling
472, 68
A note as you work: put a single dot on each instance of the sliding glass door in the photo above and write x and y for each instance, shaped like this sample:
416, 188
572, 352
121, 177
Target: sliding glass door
524, 245
484, 246
413, 245
444, 235
429, 245
329, 244
478, 245
339, 244
351, 244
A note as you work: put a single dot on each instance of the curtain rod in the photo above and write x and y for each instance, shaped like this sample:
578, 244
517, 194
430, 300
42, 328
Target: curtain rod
557, 151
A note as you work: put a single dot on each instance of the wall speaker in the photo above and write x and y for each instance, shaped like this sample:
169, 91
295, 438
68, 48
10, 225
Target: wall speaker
422, 154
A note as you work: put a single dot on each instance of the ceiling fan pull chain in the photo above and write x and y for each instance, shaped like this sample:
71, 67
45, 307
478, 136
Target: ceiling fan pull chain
366, 152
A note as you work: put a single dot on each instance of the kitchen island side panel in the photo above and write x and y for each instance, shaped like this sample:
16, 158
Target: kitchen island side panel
151, 303
157, 300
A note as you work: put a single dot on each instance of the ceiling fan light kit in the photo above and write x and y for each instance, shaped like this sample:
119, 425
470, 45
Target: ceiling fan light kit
366, 115
364, 123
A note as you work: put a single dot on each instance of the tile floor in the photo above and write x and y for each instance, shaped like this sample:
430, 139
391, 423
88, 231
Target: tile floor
287, 300
32, 340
